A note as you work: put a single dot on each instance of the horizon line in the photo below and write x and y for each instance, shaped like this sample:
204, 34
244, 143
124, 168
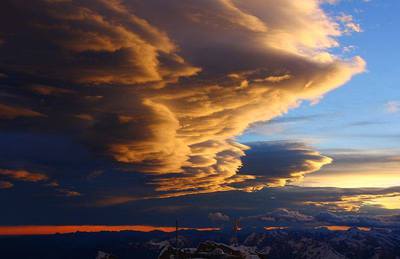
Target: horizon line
26, 230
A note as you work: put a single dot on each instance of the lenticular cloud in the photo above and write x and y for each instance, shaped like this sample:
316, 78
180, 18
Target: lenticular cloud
165, 86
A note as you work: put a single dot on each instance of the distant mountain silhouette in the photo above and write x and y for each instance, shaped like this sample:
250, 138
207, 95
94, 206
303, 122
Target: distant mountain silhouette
253, 243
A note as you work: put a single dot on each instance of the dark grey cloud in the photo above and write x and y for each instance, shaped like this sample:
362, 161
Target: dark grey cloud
281, 215
85, 41
153, 94
218, 217
275, 163
269, 207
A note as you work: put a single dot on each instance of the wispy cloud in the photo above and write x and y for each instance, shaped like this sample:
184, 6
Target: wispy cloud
349, 24
23, 175
392, 106
6, 185
12, 112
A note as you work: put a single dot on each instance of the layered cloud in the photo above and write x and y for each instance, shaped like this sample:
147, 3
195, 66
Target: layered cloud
164, 88
265, 164
389, 200
287, 162
86, 42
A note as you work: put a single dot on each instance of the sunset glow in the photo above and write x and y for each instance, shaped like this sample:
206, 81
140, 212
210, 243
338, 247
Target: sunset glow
345, 228
49, 230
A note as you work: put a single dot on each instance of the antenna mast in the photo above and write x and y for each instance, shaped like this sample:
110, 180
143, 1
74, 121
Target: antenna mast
235, 231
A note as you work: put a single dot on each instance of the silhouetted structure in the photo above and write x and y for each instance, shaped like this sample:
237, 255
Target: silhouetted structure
236, 228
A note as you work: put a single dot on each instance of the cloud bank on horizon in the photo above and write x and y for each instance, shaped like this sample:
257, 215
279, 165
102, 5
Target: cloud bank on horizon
163, 88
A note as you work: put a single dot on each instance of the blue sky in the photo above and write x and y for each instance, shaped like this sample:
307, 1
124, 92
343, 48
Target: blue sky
355, 115
359, 121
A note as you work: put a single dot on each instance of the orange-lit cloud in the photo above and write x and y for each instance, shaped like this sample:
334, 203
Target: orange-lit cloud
371, 168
5, 185
355, 202
12, 112
166, 88
23, 175
68, 193
49, 90
15, 175
90, 42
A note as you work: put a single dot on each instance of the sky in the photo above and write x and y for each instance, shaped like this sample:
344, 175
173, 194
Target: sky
116, 113
359, 120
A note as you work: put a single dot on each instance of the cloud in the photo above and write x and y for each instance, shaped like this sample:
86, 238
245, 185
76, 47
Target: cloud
5, 185
356, 202
68, 193
50, 90
193, 210
349, 24
283, 124
371, 168
392, 106
218, 216
265, 164
150, 85
358, 220
87, 42
12, 112
23, 175
283, 215
287, 217
364, 123
279, 163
